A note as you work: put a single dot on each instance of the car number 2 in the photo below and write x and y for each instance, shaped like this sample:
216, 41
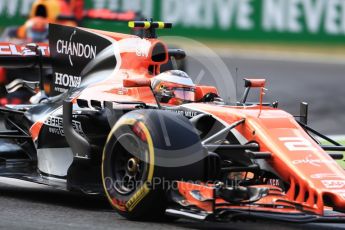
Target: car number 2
297, 144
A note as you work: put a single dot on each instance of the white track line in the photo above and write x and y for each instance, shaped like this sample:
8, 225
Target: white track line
337, 137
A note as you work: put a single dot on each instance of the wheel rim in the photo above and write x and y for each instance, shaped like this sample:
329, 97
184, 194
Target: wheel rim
128, 170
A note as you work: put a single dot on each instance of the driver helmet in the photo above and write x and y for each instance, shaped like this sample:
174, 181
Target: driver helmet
173, 87
37, 29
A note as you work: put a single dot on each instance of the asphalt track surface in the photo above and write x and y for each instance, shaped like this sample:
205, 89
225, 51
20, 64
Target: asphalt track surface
30, 206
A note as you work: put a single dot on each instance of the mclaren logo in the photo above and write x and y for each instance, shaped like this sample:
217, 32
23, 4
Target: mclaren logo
75, 49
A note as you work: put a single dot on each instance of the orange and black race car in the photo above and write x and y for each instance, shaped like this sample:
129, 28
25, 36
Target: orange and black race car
111, 123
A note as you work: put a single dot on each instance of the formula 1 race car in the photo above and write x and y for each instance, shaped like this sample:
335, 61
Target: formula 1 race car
155, 144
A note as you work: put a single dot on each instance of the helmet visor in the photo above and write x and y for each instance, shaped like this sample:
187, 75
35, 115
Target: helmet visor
186, 94
36, 36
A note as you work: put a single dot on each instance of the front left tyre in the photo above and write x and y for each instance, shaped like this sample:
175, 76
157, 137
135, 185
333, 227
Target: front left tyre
145, 152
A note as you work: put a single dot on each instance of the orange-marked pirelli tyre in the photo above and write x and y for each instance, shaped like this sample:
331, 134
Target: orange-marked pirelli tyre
145, 152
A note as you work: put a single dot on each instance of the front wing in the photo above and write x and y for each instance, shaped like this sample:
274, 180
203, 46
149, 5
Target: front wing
209, 202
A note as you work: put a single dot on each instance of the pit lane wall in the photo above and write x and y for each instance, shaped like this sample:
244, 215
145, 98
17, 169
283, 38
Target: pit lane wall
315, 21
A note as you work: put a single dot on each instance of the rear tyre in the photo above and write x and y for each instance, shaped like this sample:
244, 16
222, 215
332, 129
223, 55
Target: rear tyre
136, 172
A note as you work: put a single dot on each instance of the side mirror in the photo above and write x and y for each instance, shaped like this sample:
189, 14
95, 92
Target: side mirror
137, 82
254, 83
